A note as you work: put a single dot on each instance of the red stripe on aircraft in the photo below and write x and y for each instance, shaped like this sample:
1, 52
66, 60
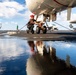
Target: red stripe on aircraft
60, 3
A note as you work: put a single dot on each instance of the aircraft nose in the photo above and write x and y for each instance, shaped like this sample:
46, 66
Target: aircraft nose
32, 5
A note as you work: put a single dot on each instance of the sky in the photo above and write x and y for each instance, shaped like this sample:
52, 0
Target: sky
15, 12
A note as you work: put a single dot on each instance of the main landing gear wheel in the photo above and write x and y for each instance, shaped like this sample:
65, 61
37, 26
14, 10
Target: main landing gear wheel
44, 30
38, 30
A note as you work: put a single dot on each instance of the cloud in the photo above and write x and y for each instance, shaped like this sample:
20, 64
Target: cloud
10, 8
2, 69
63, 16
27, 13
14, 5
6, 23
7, 52
68, 45
73, 16
12, 22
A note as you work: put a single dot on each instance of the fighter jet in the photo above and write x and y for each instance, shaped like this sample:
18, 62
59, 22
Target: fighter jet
50, 8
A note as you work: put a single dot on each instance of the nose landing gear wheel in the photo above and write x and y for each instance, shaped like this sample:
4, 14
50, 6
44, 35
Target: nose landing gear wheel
44, 30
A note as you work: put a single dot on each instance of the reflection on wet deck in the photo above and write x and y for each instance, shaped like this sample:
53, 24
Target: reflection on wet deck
15, 51
45, 62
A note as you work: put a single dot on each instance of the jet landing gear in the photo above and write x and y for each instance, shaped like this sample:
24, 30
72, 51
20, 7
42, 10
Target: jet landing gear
43, 28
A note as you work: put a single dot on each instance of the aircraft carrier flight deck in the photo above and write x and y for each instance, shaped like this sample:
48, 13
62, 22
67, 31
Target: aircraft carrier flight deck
60, 35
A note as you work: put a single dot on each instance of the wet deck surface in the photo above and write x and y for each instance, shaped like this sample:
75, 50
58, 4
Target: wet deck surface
15, 51
59, 35
54, 35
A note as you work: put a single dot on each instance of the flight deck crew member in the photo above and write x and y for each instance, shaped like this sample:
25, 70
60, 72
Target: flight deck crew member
30, 24
17, 27
31, 45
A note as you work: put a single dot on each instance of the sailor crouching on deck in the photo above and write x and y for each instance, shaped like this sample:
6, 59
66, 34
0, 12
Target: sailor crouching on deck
30, 24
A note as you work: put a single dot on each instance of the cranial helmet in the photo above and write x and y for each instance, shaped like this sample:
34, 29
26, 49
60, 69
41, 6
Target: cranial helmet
31, 16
